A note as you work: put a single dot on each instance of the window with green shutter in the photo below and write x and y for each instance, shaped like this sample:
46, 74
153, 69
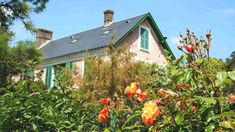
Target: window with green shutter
48, 78
70, 65
144, 34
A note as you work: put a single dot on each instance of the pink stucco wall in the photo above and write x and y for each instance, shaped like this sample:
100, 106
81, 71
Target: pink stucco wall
79, 67
156, 52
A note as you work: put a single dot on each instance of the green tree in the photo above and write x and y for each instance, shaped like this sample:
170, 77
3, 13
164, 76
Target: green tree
231, 61
12, 10
18, 61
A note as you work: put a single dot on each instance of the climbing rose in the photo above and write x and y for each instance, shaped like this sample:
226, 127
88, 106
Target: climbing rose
230, 99
150, 111
103, 116
105, 101
131, 90
189, 48
142, 96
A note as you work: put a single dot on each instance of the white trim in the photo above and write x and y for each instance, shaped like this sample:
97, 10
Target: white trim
139, 41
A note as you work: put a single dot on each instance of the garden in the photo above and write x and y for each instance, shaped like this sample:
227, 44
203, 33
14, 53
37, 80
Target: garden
194, 92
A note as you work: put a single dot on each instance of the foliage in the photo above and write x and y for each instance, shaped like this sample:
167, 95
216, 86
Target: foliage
12, 10
193, 93
108, 76
30, 106
18, 62
231, 61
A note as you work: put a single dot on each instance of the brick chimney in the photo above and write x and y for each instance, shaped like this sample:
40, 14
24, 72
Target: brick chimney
108, 17
42, 36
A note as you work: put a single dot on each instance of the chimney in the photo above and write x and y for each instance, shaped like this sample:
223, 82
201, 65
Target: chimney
42, 36
108, 17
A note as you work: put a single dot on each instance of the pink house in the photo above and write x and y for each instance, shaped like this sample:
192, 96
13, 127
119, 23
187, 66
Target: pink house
140, 33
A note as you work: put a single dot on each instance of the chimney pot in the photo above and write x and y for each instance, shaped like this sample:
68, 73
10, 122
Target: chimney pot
108, 17
42, 36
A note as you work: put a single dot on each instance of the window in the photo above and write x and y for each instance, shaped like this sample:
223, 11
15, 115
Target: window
70, 65
49, 76
144, 38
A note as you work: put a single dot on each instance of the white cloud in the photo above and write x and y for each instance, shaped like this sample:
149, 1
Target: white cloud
175, 40
227, 10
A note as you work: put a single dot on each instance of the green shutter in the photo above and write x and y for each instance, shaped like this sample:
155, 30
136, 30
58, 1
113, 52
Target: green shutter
144, 34
142, 38
146, 39
70, 65
48, 76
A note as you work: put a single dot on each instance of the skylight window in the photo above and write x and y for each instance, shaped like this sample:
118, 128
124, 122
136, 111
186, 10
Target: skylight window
74, 39
104, 33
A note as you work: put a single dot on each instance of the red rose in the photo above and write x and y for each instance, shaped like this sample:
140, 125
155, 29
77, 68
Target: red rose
105, 101
103, 116
189, 48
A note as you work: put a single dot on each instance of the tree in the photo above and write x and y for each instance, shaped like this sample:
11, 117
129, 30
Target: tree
231, 61
12, 10
19, 61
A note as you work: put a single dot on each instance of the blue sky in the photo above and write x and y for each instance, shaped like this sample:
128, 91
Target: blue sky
66, 17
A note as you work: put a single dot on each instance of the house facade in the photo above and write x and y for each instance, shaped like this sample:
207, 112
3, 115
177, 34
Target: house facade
141, 34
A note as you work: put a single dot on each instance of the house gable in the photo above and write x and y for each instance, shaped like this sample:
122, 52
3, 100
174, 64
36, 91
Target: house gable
155, 52
148, 17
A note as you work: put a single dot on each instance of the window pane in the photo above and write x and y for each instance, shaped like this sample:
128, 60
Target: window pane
144, 38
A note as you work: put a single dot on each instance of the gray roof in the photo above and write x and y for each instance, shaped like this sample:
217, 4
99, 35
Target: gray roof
90, 39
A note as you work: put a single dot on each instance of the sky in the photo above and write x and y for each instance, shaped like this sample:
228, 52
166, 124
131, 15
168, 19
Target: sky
66, 17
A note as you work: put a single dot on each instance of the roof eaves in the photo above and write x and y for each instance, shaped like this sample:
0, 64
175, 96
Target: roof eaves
160, 36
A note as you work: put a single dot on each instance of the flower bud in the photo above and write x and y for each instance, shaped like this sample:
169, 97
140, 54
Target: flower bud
180, 47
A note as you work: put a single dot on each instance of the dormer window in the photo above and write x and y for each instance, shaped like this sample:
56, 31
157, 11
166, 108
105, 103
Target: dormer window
144, 38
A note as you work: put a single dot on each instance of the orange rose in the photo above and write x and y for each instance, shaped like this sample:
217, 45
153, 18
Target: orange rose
103, 116
150, 111
131, 90
105, 101
142, 96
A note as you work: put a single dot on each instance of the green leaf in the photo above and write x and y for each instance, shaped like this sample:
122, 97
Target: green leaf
207, 100
179, 120
106, 130
187, 76
27, 116
226, 124
68, 110
221, 76
135, 126
136, 114
34, 126
232, 75
199, 60
210, 128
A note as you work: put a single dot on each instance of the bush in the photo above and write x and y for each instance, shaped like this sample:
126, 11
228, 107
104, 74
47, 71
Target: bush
29, 106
